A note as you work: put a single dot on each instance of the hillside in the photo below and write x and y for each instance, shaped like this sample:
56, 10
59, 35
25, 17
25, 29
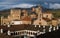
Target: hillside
55, 12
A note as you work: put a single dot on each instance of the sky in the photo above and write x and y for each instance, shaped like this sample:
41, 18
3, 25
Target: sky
51, 4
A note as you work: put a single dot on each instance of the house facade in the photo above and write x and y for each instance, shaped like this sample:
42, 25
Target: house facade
43, 18
28, 23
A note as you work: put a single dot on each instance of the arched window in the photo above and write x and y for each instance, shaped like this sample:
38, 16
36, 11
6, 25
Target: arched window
40, 19
4, 23
46, 16
31, 33
22, 14
40, 23
16, 33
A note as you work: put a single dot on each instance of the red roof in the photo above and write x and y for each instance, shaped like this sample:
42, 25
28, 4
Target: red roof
20, 27
54, 18
3, 27
47, 19
16, 27
48, 12
26, 18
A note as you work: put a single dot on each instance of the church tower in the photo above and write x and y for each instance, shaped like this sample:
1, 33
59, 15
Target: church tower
24, 12
39, 11
15, 14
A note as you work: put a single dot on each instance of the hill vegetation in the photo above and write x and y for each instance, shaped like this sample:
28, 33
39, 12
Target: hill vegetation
55, 12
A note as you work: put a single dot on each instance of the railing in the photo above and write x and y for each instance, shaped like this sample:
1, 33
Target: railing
32, 30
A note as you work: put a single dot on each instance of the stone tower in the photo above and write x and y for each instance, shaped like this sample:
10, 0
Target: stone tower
39, 11
24, 12
15, 14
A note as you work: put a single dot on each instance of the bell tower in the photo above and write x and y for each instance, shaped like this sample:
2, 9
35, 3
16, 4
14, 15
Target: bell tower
39, 11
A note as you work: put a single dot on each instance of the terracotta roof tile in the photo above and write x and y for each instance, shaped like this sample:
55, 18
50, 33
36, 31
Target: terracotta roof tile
17, 27
16, 20
26, 18
54, 19
4, 27
47, 19
23, 27
48, 12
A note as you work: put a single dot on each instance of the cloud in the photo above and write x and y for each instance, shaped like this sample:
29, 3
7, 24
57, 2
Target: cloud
9, 0
54, 6
23, 5
5, 4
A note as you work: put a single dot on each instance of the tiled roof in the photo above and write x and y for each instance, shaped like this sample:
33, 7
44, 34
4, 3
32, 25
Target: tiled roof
24, 27
48, 12
47, 19
16, 27
3, 27
26, 18
16, 20
54, 19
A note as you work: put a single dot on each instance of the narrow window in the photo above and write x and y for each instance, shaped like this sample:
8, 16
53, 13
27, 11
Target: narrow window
47, 16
